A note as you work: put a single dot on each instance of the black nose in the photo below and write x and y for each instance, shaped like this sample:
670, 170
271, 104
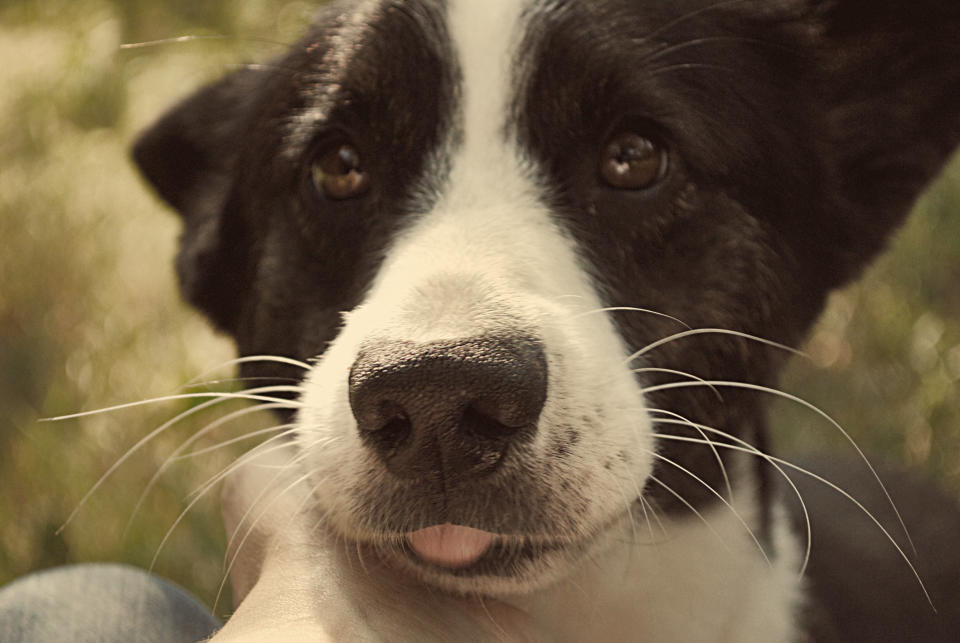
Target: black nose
447, 409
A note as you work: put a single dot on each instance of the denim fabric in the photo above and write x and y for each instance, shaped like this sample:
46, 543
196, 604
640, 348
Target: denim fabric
100, 603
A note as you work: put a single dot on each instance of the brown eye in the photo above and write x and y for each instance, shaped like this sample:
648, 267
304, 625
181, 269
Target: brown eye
632, 162
338, 173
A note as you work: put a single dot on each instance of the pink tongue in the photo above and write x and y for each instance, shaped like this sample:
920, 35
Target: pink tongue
450, 545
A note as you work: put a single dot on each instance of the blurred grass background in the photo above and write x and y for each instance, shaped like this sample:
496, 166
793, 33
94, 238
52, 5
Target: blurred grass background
90, 316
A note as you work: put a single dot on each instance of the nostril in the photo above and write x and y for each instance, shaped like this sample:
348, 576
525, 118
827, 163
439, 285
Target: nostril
391, 433
481, 425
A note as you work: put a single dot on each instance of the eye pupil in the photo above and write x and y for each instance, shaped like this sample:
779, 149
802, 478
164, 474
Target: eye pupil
338, 173
632, 162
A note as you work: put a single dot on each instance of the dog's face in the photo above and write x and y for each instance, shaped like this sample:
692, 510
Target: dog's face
475, 214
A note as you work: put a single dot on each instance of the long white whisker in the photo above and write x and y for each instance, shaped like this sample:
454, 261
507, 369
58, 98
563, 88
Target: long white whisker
217, 398
265, 447
711, 331
630, 309
670, 371
836, 488
186, 444
808, 405
716, 454
693, 509
297, 458
729, 506
195, 37
200, 492
629, 504
280, 429
192, 396
646, 518
234, 380
702, 429
248, 359
646, 504
236, 554
501, 633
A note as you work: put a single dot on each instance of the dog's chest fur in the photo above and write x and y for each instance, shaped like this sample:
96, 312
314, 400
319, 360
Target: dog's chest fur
482, 219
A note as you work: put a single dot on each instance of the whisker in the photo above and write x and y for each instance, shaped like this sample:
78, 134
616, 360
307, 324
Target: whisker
729, 506
217, 398
255, 452
646, 519
236, 380
194, 37
363, 563
671, 371
836, 488
186, 444
192, 396
296, 459
285, 428
263, 512
693, 509
199, 493
702, 429
277, 359
716, 454
629, 504
262, 67
629, 309
712, 331
229, 562
502, 633
815, 409
645, 505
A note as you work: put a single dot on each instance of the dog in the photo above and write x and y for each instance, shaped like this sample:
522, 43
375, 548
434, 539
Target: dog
542, 262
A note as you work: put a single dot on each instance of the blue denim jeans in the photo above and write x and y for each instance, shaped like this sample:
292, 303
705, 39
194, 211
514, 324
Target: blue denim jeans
100, 603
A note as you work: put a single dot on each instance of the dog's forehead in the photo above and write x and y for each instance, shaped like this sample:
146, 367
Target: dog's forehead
438, 80
468, 65
362, 48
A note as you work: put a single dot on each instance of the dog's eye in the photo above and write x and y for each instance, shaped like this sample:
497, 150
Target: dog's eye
632, 162
338, 173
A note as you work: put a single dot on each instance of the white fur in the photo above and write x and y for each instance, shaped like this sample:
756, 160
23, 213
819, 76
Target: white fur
679, 580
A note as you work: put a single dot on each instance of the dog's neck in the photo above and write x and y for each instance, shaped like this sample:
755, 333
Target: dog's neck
690, 578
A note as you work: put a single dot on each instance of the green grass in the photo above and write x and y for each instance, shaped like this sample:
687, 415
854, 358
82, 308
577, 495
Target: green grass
89, 312
90, 316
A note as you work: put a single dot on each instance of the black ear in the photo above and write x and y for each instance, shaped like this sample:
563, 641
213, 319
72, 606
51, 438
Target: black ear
189, 157
887, 86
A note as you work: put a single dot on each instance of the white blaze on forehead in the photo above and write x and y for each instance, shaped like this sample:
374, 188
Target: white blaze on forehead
485, 35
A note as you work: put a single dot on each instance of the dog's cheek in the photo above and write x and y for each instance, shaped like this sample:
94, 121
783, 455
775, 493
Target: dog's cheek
598, 441
329, 449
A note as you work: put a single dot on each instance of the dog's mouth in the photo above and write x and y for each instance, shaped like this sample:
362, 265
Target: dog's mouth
455, 551
450, 546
